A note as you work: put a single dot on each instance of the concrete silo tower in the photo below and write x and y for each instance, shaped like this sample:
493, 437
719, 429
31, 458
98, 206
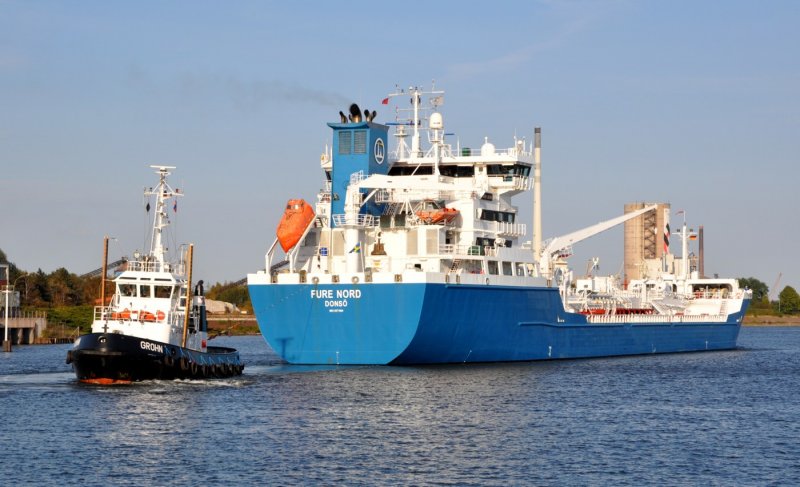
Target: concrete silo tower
647, 251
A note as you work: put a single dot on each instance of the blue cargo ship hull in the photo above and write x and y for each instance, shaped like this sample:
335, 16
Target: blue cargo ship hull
423, 323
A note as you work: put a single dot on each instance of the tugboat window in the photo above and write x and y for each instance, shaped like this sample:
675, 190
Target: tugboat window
163, 291
127, 290
144, 291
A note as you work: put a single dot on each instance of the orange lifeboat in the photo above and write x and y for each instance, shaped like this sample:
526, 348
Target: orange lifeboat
437, 215
296, 218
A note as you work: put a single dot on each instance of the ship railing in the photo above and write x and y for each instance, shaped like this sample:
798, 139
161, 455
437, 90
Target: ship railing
411, 195
452, 249
106, 313
114, 313
521, 183
357, 177
149, 265
513, 152
717, 294
360, 220
270, 254
510, 229
611, 319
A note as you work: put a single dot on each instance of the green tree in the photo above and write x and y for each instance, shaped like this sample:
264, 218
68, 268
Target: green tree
789, 301
65, 288
38, 290
760, 290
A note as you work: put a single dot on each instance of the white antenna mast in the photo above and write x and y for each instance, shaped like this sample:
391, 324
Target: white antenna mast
163, 192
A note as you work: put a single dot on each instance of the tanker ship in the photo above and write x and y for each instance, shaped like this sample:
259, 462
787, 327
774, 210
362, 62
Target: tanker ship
416, 255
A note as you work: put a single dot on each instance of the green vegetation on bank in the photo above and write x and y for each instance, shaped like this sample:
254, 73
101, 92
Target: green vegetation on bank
788, 302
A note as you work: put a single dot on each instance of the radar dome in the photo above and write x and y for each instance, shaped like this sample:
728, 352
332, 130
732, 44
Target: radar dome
436, 121
487, 149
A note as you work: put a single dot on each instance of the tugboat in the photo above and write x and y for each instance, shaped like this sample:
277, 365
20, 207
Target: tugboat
146, 331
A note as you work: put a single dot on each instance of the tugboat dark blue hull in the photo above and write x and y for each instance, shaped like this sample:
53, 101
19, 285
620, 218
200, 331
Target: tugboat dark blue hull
111, 358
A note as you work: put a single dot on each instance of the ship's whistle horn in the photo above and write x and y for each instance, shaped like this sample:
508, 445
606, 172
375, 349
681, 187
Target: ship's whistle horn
355, 113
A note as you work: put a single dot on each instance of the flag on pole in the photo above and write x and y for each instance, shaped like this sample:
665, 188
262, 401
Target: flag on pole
385, 101
175, 206
356, 249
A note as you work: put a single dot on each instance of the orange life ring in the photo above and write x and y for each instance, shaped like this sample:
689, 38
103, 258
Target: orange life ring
160, 315
124, 315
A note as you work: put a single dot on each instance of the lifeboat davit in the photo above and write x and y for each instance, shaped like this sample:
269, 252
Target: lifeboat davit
296, 218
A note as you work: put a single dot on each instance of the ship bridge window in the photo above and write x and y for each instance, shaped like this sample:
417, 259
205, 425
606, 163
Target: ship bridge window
508, 171
360, 142
345, 141
492, 267
163, 291
144, 291
507, 269
411, 170
457, 171
497, 216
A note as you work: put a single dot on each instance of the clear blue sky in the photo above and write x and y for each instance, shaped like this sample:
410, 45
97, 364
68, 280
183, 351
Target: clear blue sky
692, 103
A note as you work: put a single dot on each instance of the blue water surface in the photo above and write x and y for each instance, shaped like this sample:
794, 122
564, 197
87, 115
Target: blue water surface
711, 418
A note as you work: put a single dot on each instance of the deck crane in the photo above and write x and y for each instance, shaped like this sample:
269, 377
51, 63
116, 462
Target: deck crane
559, 247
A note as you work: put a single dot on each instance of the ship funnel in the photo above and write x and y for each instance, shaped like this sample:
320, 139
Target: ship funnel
355, 113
